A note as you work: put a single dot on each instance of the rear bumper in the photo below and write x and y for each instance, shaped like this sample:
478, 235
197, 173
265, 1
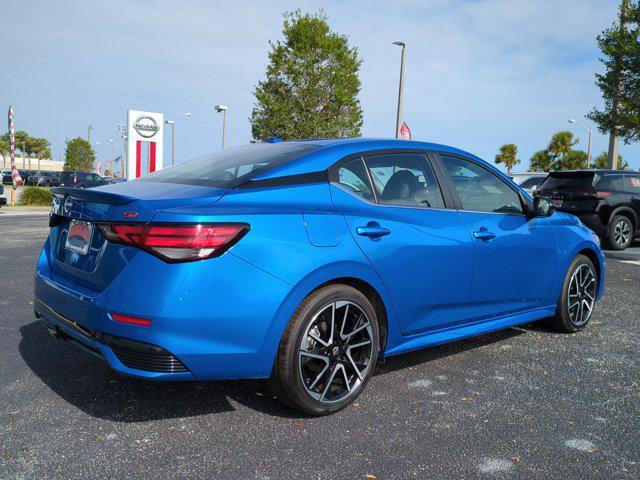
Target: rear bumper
126, 356
213, 317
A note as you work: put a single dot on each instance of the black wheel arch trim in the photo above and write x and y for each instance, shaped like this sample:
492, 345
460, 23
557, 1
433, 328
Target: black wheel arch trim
626, 210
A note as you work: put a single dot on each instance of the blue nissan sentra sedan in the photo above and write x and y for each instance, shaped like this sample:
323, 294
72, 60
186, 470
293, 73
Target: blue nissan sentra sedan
304, 262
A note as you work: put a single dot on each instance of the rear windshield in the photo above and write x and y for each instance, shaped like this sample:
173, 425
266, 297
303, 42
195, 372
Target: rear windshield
569, 180
230, 168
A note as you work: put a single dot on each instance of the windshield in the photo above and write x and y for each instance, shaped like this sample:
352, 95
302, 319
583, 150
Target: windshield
569, 180
230, 168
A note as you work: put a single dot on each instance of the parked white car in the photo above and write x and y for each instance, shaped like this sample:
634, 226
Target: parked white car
529, 181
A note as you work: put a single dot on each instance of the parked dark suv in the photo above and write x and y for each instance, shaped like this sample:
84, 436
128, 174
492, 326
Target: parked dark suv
81, 180
607, 201
45, 179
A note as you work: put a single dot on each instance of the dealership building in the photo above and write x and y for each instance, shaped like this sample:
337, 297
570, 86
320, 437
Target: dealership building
33, 164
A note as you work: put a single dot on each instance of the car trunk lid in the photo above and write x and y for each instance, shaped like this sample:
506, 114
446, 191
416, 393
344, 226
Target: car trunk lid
79, 250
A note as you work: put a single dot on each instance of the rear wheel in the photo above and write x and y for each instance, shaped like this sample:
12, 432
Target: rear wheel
578, 296
620, 232
328, 351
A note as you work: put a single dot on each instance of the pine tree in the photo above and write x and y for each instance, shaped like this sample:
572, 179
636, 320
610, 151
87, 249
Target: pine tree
312, 85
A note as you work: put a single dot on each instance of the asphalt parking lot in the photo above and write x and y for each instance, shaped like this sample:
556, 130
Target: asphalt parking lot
522, 403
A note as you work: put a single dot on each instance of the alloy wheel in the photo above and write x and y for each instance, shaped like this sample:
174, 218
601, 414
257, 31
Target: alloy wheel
622, 233
582, 294
335, 352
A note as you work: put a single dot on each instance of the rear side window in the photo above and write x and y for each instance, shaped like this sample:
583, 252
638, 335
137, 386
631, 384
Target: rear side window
570, 181
611, 183
353, 176
632, 184
405, 179
231, 167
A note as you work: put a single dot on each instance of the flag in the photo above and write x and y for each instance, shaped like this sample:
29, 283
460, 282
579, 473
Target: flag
15, 176
99, 167
405, 133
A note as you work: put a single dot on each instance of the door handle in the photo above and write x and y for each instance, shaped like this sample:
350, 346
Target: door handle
373, 230
484, 234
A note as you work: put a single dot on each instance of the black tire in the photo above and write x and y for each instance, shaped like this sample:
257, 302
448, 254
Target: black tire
565, 319
620, 232
289, 381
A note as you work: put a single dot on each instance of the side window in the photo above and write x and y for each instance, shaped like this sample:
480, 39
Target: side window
405, 179
479, 189
610, 182
353, 176
632, 184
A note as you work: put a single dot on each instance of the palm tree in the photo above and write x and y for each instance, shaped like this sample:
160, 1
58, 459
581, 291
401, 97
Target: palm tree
508, 155
541, 161
600, 162
561, 145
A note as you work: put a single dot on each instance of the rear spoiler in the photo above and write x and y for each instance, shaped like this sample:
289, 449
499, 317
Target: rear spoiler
92, 196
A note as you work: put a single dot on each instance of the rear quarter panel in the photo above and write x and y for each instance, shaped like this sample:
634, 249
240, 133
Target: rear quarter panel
280, 244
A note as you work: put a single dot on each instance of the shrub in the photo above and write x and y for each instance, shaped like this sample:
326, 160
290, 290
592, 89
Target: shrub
36, 196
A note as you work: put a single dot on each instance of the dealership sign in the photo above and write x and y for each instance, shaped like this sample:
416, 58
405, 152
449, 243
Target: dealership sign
144, 143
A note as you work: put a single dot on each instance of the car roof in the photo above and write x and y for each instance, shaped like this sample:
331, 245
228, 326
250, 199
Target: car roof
331, 150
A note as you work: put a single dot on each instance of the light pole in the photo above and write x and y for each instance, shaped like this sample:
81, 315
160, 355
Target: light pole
571, 120
400, 88
173, 139
99, 144
173, 136
223, 109
89, 127
123, 133
110, 140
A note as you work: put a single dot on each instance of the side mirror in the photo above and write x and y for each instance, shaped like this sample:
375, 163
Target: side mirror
542, 207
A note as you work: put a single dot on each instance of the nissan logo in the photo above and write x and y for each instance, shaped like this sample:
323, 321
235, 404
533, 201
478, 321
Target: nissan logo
146, 126
66, 207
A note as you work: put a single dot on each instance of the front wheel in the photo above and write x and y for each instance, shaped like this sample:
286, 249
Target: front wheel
328, 351
578, 296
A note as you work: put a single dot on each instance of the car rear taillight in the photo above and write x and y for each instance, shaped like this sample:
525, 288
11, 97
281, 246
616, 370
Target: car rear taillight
177, 242
602, 194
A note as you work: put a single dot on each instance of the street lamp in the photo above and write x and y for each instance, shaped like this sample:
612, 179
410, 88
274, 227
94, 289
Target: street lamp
89, 127
110, 140
122, 128
571, 120
173, 136
99, 144
223, 109
400, 88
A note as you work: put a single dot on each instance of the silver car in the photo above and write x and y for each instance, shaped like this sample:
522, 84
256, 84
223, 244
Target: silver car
529, 181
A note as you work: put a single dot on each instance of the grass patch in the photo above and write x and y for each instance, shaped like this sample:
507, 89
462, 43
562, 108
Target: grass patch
36, 196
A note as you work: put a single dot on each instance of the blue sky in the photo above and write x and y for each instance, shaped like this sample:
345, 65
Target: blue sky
480, 73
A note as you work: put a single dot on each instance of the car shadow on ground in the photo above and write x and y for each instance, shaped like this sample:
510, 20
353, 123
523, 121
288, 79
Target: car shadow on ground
90, 385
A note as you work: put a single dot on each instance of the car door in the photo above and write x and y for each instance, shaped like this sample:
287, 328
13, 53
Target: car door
407, 227
514, 254
632, 188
